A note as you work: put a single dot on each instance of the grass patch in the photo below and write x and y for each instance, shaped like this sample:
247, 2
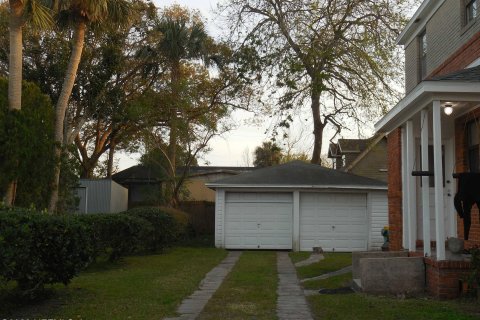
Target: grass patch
334, 282
141, 287
363, 307
332, 262
248, 292
299, 256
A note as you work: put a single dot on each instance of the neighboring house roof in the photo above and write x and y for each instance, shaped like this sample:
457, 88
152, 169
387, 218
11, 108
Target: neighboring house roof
372, 143
465, 75
344, 146
206, 170
141, 173
138, 173
353, 146
299, 174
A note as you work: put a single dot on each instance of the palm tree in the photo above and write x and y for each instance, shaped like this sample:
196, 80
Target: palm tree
21, 11
183, 38
268, 154
80, 14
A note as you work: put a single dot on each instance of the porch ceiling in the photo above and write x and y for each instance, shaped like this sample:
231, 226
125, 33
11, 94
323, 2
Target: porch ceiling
462, 95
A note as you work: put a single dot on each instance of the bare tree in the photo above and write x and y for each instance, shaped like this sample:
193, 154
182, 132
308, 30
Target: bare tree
338, 56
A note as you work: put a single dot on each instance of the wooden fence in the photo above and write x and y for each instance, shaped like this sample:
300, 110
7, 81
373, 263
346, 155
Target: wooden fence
202, 215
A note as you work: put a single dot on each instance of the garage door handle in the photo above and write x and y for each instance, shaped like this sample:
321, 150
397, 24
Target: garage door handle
333, 227
258, 224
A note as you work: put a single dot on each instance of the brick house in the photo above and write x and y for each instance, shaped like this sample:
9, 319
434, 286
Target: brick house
435, 132
362, 157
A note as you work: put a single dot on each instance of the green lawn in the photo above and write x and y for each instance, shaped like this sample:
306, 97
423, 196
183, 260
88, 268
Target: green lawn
140, 287
332, 262
248, 292
363, 307
357, 306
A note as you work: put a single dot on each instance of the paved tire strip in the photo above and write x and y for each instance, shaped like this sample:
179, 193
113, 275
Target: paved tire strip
192, 306
291, 302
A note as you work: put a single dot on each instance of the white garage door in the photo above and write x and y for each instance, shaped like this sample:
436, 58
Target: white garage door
258, 221
333, 221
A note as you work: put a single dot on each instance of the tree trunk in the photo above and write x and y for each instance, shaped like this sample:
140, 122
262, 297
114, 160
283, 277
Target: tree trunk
16, 56
172, 145
14, 75
318, 127
172, 158
111, 153
62, 104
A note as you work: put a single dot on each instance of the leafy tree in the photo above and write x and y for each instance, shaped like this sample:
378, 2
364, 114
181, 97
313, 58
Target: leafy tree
183, 38
268, 154
80, 14
103, 112
26, 139
339, 56
193, 96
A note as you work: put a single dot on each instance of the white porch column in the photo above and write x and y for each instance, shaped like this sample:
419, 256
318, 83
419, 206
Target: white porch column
411, 188
404, 190
425, 185
438, 175
296, 221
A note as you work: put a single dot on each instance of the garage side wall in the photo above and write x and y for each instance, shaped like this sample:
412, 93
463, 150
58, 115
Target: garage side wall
220, 218
378, 205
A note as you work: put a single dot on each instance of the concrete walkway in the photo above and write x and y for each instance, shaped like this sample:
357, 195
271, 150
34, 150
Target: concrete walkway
192, 306
291, 302
330, 274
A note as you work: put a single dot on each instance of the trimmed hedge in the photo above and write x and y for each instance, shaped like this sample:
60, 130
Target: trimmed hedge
38, 249
117, 235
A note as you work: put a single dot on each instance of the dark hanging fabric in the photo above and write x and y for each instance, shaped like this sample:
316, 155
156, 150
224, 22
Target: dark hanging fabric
467, 195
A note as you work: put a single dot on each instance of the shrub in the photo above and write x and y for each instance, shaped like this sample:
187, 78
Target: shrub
38, 249
169, 225
182, 219
117, 234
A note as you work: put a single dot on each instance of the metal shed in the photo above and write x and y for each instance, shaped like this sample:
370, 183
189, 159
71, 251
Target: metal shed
101, 196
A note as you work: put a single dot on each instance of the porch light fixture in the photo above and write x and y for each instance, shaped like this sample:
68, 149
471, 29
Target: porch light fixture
448, 109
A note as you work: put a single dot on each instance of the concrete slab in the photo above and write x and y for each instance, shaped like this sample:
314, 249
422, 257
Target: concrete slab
397, 275
356, 256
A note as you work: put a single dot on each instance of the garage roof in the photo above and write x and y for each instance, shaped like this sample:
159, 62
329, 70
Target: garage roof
298, 174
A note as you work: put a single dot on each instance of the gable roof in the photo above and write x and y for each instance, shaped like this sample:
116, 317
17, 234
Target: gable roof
465, 75
299, 174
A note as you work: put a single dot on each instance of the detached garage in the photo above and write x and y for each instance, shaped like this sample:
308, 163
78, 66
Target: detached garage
299, 206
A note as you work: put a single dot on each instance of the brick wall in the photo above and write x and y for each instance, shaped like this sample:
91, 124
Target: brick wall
444, 278
395, 189
461, 161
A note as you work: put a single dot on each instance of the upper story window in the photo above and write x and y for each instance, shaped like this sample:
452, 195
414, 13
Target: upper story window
423, 55
470, 10
473, 150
